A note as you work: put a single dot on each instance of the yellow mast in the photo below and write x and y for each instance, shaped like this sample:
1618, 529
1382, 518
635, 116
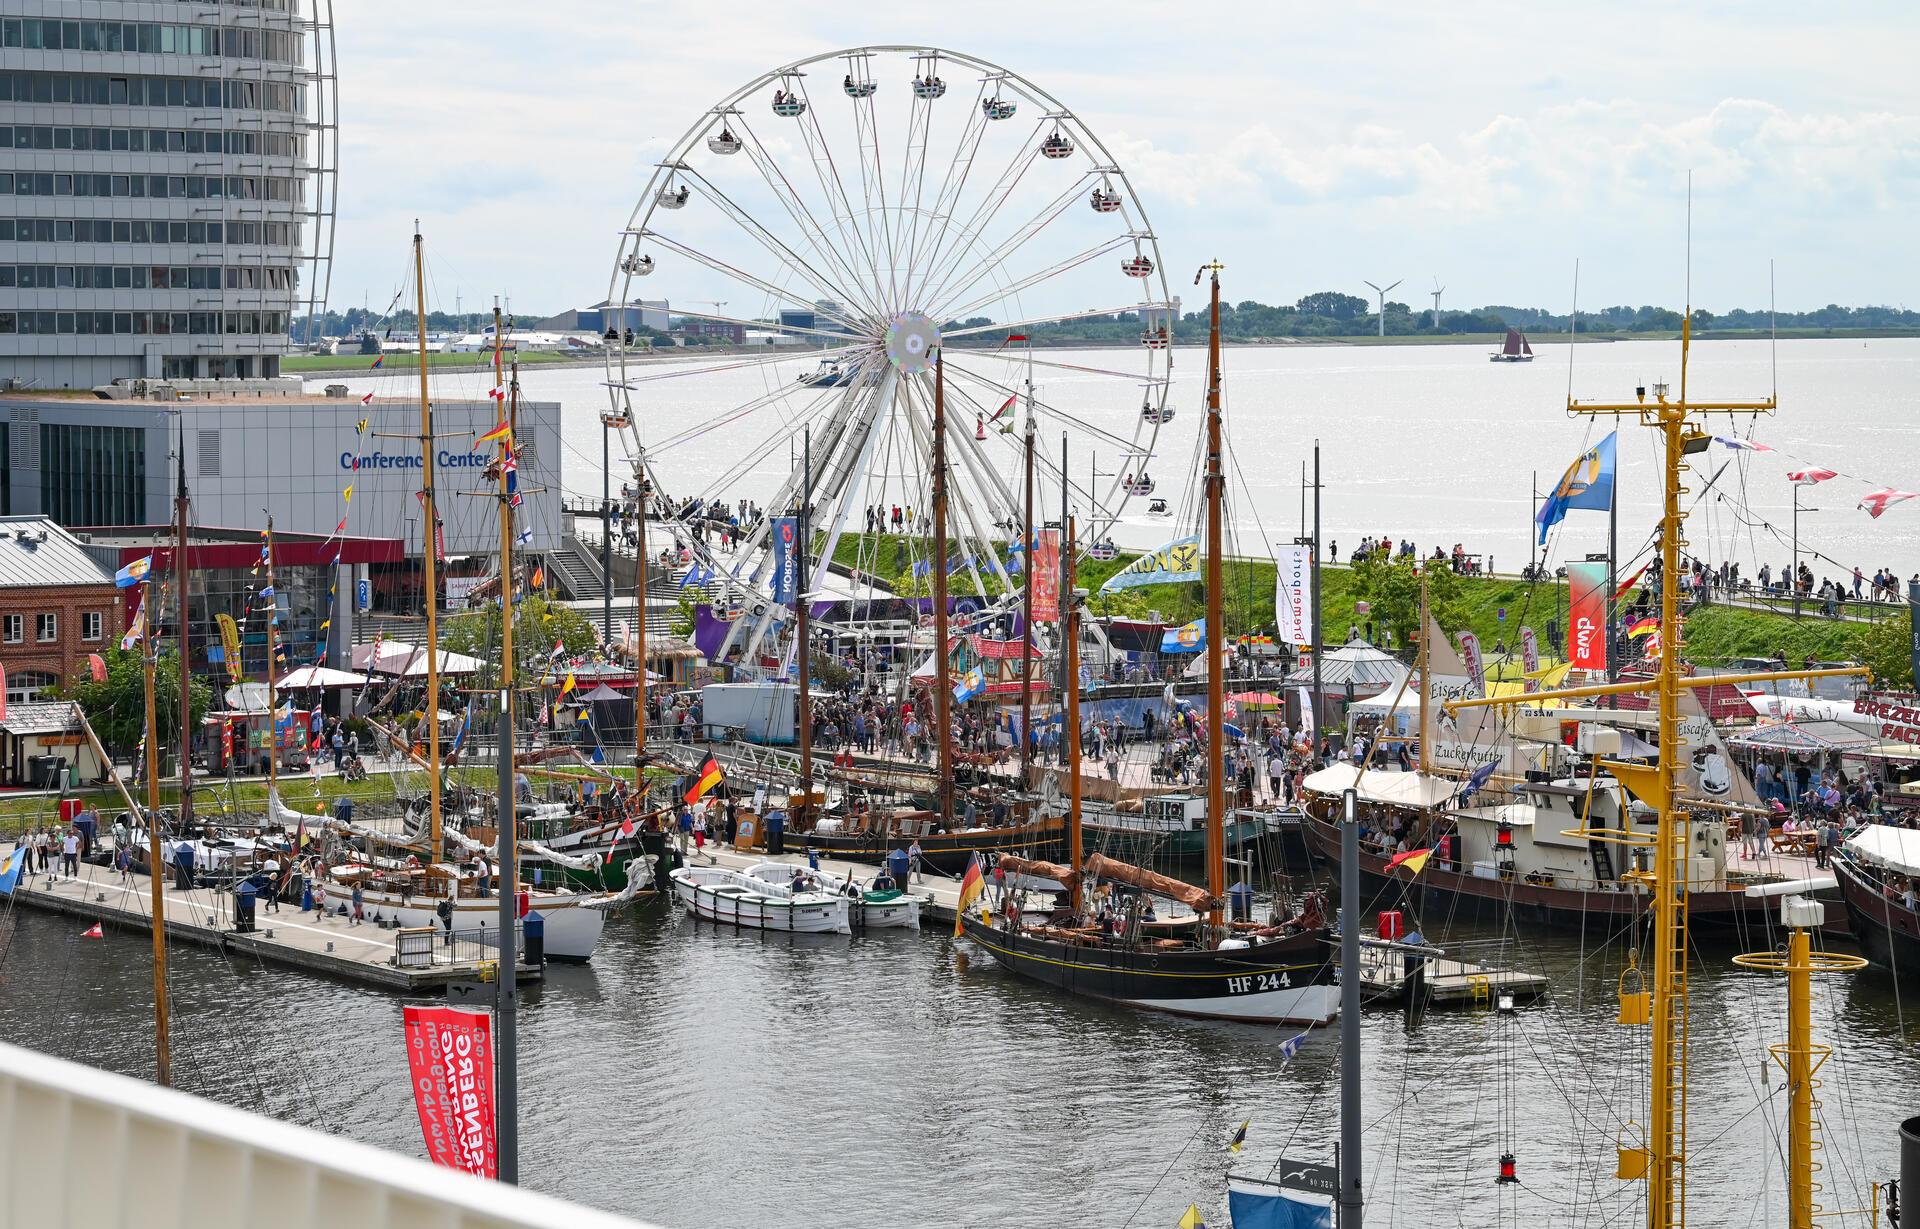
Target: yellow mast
1658, 787
273, 691
1215, 628
1426, 684
942, 697
508, 818
431, 538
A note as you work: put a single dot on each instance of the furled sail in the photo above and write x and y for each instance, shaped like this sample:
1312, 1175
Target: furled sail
1191, 895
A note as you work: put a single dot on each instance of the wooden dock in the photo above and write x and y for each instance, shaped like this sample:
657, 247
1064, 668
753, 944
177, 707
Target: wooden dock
1448, 981
327, 945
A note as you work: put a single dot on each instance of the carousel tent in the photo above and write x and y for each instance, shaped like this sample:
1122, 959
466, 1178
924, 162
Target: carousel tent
1370, 670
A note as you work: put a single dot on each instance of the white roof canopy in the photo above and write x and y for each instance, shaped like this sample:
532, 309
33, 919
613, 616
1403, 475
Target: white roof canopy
320, 676
1895, 848
1401, 789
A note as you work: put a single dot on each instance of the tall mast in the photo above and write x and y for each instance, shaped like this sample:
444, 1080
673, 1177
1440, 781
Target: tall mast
1313, 633
430, 519
1215, 627
1026, 602
643, 490
506, 985
156, 865
942, 696
1426, 678
273, 656
1070, 634
180, 503
800, 632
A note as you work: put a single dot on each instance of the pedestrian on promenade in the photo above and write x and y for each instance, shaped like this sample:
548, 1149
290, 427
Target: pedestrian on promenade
359, 904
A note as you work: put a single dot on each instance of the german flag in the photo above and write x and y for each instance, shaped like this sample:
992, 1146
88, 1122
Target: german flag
1643, 627
710, 776
1414, 860
502, 432
972, 884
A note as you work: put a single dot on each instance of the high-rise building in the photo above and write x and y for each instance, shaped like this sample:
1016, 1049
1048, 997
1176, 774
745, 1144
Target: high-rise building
167, 182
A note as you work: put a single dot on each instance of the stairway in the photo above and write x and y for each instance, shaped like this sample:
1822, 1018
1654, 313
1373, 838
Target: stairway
575, 570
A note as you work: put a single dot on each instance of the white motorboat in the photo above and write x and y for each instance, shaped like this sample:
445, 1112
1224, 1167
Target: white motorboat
872, 908
729, 896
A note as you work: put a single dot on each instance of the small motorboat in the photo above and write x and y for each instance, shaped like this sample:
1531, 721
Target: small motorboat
1158, 507
728, 896
875, 905
829, 374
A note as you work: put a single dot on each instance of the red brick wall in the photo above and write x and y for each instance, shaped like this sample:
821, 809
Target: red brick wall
67, 653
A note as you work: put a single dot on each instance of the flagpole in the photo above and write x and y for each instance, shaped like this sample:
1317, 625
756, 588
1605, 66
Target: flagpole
156, 860
803, 659
431, 541
273, 690
1070, 635
1026, 604
942, 697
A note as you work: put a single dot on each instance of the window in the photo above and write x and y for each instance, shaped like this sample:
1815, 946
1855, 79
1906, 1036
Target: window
13, 628
26, 686
46, 628
91, 623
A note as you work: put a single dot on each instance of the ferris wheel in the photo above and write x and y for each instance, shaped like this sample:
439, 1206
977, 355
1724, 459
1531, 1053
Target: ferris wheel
852, 215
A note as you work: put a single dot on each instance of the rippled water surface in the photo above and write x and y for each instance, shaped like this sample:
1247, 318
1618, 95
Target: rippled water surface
694, 1076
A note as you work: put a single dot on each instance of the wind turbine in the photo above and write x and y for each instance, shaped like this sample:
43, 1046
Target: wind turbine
1435, 292
1382, 295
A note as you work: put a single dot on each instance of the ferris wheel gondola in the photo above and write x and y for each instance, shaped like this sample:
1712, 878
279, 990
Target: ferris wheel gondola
830, 243
1159, 415
1103, 551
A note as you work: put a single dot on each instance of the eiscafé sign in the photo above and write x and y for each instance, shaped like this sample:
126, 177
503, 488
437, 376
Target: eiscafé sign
1897, 712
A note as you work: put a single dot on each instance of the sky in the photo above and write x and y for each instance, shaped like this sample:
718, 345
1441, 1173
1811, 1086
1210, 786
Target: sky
1484, 148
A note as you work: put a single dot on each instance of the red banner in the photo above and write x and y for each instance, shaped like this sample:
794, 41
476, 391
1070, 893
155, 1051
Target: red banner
1587, 615
1046, 576
450, 1056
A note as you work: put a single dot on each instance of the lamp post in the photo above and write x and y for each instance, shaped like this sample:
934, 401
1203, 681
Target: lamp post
1794, 578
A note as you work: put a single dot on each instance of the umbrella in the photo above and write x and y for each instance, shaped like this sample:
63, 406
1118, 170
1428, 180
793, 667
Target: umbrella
600, 695
1257, 699
320, 676
247, 697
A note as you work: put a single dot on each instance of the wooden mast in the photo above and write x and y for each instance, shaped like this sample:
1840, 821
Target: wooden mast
942, 692
1026, 608
1070, 684
643, 490
803, 659
430, 536
1215, 626
156, 861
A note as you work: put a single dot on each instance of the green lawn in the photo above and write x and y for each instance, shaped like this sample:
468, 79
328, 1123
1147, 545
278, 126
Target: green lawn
1714, 634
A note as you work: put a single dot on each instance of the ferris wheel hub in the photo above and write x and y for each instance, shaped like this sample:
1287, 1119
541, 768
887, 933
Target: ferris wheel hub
911, 341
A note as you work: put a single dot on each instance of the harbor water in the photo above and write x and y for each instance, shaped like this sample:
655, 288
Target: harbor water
695, 1076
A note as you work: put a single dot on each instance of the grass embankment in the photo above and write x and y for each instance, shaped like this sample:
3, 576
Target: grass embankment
1714, 634
361, 364
248, 795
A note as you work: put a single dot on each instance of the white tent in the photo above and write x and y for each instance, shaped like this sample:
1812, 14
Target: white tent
1895, 848
1401, 789
410, 661
320, 676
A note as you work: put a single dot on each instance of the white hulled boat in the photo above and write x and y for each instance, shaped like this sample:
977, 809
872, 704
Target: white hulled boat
729, 896
872, 908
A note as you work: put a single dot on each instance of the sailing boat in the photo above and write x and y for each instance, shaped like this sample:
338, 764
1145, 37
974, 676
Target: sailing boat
1514, 350
403, 887
1241, 971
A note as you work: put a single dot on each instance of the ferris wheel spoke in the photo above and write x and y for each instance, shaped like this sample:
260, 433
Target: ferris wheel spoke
944, 260
1036, 321
1012, 390
1012, 289
731, 416
850, 480
952, 185
748, 279
1011, 356
786, 432
817, 237
968, 527
822, 283
846, 219
767, 326
873, 186
913, 174
992, 262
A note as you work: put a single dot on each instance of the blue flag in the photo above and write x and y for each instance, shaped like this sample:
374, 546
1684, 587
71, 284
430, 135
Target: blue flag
10, 875
1480, 777
971, 684
1588, 483
1178, 560
133, 573
1189, 638
1271, 1207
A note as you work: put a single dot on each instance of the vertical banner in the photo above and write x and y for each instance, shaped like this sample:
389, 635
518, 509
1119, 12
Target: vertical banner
450, 1057
1530, 657
1293, 595
230, 644
1470, 658
1046, 576
785, 566
1913, 626
1587, 616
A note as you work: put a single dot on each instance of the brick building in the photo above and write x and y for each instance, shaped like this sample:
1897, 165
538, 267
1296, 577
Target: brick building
57, 604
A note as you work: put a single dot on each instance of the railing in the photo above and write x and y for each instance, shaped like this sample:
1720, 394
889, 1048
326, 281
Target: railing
161, 1159
415, 950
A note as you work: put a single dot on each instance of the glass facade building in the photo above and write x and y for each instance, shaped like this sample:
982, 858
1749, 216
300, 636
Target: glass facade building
166, 186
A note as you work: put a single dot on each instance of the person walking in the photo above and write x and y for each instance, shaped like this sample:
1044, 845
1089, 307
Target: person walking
70, 854
914, 855
359, 904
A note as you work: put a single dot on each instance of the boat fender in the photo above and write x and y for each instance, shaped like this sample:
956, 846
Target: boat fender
1233, 943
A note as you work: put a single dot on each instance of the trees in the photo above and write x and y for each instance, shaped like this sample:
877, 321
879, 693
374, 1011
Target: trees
116, 708
1333, 305
538, 623
1885, 649
1392, 587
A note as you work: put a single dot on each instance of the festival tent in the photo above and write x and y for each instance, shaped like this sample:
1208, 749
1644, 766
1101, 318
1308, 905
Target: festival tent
320, 676
408, 661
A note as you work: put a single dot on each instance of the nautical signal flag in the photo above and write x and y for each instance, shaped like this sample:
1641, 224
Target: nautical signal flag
132, 574
1811, 476
539, 577
972, 885
502, 432
1193, 1219
1739, 445
497, 393
571, 684
1239, 1137
360, 428
1005, 407
1588, 483
366, 400
1414, 859
378, 363
1643, 627
1876, 502
93, 932
710, 776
